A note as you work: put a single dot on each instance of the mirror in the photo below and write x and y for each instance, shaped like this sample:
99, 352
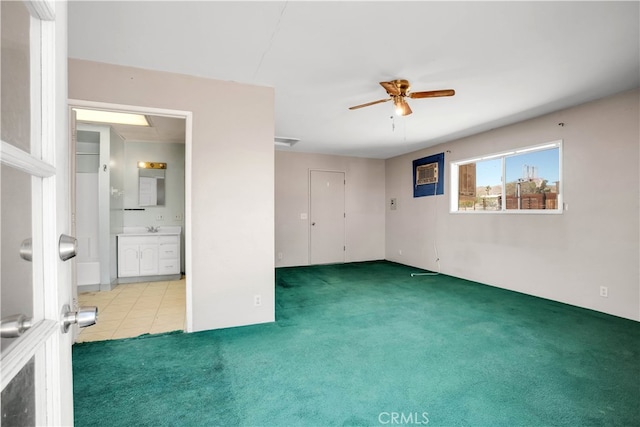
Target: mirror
151, 184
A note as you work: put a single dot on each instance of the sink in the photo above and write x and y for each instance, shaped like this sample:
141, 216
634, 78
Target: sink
163, 230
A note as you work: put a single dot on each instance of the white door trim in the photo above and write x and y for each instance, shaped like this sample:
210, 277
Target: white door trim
188, 116
25, 162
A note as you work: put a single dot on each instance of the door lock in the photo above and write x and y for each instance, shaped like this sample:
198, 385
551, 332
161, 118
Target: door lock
85, 316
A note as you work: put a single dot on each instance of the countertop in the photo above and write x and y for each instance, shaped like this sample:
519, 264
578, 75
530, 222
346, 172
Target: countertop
142, 231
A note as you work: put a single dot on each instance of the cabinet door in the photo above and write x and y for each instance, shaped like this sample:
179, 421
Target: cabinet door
148, 260
128, 262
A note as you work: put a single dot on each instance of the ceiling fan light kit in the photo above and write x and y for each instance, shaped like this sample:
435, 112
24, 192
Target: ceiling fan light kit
402, 108
398, 90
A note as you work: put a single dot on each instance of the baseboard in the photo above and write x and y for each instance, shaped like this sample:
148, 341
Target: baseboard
88, 288
138, 279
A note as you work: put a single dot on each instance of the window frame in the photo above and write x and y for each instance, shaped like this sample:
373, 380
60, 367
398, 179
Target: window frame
454, 167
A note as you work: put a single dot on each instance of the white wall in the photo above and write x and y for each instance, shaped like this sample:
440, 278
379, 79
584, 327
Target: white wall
364, 204
232, 213
174, 156
561, 257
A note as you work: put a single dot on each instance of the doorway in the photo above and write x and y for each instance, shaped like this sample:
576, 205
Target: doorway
93, 215
327, 220
166, 146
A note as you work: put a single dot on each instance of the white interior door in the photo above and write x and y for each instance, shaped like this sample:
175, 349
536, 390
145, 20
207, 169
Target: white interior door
327, 217
35, 371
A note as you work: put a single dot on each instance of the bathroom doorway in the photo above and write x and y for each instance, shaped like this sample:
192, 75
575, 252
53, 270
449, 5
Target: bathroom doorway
136, 304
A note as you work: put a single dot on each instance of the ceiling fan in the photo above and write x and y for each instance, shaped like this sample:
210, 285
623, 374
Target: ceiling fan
398, 90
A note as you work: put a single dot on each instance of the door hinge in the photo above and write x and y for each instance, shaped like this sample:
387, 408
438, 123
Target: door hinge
344, 248
344, 215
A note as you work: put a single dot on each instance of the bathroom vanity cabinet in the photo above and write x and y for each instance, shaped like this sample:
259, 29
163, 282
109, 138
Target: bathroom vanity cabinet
148, 254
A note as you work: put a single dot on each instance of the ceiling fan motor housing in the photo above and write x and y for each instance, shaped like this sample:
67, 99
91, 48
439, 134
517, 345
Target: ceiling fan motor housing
403, 87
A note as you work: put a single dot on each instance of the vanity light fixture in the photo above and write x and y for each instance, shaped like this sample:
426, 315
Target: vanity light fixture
151, 165
84, 115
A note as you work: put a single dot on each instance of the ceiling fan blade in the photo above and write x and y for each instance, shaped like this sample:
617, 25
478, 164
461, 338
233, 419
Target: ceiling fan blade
391, 88
432, 93
369, 103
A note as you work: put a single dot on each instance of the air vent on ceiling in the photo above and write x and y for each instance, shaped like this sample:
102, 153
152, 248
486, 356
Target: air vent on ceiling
284, 141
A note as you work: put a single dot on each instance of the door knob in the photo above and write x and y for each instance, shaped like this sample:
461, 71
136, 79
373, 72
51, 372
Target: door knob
14, 326
313, 223
85, 316
26, 249
67, 247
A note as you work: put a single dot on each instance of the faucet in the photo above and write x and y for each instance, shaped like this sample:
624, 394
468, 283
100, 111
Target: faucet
152, 229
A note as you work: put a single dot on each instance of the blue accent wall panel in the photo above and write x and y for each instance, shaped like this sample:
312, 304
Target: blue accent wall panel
430, 189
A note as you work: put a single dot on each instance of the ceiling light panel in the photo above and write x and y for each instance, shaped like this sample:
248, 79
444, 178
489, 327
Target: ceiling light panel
99, 116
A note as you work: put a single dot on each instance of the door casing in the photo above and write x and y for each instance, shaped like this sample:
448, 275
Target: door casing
188, 117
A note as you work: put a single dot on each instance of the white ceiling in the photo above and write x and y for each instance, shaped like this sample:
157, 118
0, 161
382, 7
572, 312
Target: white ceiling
160, 129
507, 61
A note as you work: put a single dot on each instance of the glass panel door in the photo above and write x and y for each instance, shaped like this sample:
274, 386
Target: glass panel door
30, 352
16, 274
18, 398
16, 66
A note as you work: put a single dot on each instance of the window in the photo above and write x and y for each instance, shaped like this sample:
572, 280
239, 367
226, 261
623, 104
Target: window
522, 180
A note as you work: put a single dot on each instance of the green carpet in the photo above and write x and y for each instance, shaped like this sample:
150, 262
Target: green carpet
367, 344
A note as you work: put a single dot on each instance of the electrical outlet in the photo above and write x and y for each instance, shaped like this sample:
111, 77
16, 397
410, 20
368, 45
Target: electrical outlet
604, 291
177, 217
279, 255
399, 251
159, 217
257, 300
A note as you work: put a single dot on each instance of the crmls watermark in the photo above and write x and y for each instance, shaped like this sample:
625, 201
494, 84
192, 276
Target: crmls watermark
403, 418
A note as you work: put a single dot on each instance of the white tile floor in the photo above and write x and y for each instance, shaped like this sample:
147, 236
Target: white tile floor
134, 309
